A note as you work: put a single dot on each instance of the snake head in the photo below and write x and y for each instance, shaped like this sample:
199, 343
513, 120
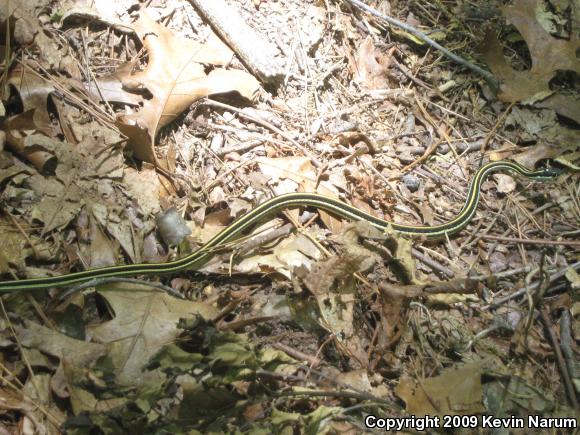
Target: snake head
549, 172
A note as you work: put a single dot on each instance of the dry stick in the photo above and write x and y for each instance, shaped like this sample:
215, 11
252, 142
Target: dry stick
566, 341
323, 393
255, 51
410, 76
443, 132
472, 239
532, 241
442, 136
8, 59
101, 116
91, 77
268, 125
53, 419
425, 155
432, 263
536, 211
18, 389
368, 396
296, 354
240, 148
222, 165
534, 286
270, 236
19, 345
495, 127
393, 21
17, 225
238, 324
108, 280
505, 274
255, 134
559, 357
358, 394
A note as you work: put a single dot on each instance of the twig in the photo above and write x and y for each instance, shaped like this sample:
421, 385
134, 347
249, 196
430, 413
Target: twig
253, 49
488, 228
566, 343
498, 123
410, 76
270, 236
266, 124
476, 238
363, 395
240, 148
22, 232
432, 263
505, 274
559, 357
238, 324
322, 393
442, 132
296, 354
554, 277
532, 241
19, 345
489, 77
108, 280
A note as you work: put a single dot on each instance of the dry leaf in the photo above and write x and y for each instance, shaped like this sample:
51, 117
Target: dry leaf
456, 391
574, 278
102, 252
505, 183
144, 187
448, 299
332, 283
144, 322
293, 251
21, 136
34, 92
51, 54
549, 55
120, 228
372, 66
110, 88
54, 343
106, 13
13, 250
175, 77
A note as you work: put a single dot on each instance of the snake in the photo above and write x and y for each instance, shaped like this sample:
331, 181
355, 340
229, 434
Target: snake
282, 202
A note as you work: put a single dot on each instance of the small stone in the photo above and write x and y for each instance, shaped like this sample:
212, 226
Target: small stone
411, 182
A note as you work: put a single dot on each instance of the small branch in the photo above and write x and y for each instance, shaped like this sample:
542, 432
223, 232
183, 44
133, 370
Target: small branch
241, 148
571, 393
489, 77
238, 324
256, 52
566, 341
269, 236
320, 393
296, 354
432, 263
526, 289
109, 280
504, 274
362, 395
266, 124
495, 127
532, 241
